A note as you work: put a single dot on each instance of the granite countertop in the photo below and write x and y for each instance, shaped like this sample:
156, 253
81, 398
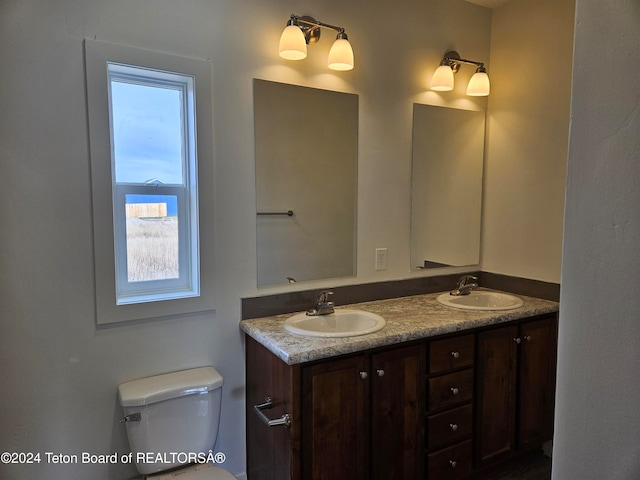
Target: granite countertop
408, 318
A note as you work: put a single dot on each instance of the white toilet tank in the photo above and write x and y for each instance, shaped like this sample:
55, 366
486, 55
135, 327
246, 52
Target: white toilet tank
171, 418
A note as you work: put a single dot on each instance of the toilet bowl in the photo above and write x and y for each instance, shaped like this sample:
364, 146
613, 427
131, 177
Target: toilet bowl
172, 424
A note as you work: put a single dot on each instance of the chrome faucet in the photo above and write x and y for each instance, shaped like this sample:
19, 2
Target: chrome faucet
323, 305
465, 285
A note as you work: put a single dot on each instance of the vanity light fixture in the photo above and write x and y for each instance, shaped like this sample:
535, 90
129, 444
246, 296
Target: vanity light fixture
442, 80
303, 31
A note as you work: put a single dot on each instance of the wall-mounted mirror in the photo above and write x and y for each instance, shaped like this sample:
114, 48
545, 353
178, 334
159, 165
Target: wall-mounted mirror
446, 193
306, 182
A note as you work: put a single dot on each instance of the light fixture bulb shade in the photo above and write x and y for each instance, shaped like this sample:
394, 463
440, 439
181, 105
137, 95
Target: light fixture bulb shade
479, 85
292, 43
341, 55
442, 80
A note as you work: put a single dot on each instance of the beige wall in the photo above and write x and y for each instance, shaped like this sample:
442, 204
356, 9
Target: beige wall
59, 371
527, 138
597, 416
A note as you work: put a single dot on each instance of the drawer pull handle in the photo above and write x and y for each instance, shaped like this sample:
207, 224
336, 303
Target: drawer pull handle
455, 391
453, 463
454, 427
455, 354
284, 420
380, 372
364, 375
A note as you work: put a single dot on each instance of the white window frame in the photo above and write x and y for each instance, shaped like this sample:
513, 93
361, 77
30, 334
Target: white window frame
117, 299
187, 284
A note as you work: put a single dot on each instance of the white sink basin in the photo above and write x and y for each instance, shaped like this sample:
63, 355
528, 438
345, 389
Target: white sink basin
341, 323
481, 300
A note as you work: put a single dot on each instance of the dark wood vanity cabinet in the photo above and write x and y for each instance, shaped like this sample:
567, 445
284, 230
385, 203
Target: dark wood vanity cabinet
362, 416
440, 409
515, 387
504, 383
450, 407
356, 417
273, 453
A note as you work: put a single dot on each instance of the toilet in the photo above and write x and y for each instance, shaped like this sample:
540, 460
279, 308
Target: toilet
172, 424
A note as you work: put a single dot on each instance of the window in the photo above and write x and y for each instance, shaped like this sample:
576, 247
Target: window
145, 110
153, 155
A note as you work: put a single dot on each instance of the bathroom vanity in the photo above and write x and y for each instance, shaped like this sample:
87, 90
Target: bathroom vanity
439, 393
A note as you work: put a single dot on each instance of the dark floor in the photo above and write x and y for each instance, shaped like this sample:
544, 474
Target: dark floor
536, 468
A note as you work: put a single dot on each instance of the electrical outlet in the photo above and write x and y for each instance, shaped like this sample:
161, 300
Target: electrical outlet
381, 258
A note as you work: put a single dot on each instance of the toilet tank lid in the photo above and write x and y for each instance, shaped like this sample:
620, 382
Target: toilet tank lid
146, 391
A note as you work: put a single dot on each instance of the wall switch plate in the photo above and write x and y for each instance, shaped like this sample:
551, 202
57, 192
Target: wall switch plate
381, 258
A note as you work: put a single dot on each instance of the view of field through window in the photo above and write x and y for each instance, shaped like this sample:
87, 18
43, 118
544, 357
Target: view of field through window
152, 238
147, 141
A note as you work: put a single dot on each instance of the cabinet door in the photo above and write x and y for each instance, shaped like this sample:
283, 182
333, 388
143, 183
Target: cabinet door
335, 411
271, 451
397, 414
537, 381
496, 395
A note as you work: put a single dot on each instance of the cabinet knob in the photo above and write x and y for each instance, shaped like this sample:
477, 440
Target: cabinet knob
455, 354
518, 340
454, 427
364, 375
453, 463
380, 372
527, 338
455, 390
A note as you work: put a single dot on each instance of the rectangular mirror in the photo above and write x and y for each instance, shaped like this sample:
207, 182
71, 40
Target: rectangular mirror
446, 193
306, 182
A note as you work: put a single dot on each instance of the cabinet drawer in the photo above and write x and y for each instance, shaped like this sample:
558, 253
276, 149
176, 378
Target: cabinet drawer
450, 353
449, 427
450, 389
450, 463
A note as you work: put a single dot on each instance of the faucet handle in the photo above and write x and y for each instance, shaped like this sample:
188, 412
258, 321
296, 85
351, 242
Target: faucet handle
324, 296
463, 280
